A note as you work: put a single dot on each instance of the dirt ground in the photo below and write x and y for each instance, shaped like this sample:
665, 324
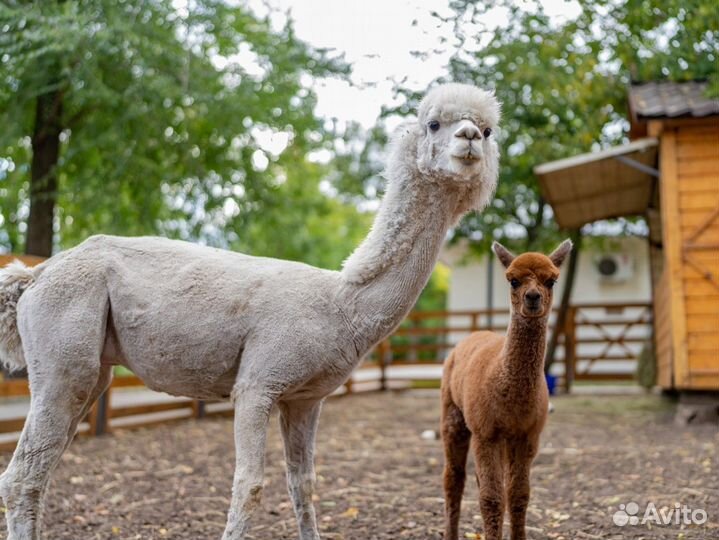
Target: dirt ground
379, 480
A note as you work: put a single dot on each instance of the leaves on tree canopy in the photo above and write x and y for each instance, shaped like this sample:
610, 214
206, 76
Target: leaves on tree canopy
563, 86
190, 123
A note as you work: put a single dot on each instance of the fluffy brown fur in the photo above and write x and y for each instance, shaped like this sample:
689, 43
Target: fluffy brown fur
494, 399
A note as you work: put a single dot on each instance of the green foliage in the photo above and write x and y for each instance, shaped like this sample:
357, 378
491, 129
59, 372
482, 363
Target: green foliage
646, 374
563, 87
167, 114
434, 296
653, 40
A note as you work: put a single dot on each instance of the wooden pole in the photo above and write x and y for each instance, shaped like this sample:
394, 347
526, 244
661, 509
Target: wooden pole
100, 415
385, 352
199, 409
571, 271
490, 289
570, 348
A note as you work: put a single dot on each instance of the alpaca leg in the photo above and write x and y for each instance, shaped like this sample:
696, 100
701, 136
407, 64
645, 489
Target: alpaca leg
299, 422
103, 382
520, 454
456, 439
252, 413
52, 419
488, 458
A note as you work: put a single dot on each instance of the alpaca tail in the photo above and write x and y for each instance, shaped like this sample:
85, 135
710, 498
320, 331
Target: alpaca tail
14, 279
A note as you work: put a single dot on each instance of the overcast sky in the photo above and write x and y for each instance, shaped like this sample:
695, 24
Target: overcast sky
377, 37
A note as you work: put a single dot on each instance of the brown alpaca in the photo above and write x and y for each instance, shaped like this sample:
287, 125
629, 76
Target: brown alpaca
494, 398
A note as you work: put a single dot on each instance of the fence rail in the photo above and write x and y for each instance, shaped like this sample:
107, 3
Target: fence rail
595, 338
598, 340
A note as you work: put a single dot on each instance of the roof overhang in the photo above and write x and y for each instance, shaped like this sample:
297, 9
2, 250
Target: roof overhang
607, 184
656, 103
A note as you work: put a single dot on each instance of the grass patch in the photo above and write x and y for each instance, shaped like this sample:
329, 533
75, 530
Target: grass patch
122, 371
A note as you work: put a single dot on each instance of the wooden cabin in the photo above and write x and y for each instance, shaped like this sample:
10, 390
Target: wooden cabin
668, 174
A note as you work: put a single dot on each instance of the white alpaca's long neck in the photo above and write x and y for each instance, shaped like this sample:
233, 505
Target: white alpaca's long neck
385, 275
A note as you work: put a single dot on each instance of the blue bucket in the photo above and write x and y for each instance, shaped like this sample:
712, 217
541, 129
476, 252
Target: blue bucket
551, 383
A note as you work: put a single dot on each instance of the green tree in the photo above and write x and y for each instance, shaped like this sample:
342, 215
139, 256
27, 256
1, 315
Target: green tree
563, 87
139, 117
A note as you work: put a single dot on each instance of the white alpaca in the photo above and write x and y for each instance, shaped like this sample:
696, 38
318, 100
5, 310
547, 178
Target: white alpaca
210, 324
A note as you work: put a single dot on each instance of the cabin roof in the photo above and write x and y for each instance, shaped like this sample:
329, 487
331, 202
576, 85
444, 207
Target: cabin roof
600, 185
655, 100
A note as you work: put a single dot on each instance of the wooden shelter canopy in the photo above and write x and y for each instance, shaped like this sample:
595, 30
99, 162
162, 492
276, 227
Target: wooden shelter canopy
600, 185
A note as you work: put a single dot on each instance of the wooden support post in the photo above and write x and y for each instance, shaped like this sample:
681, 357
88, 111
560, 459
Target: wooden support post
199, 409
385, 357
570, 347
475, 325
414, 340
100, 415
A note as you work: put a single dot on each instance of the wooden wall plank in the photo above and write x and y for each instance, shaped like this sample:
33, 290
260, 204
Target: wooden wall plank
704, 341
705, 381
663, 332
694, 273
701, 200
701, 306
708, 235
703, 323
693, 218
697, 154
701, 149
673, 254
701, 182
702, 288
703, 360
696, 167
690, 136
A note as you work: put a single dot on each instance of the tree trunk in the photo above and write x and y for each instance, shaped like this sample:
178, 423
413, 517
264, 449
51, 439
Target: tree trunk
566, 297
533, 230
43, 174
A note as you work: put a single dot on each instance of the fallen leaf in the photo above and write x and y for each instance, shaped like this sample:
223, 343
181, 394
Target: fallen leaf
351, 512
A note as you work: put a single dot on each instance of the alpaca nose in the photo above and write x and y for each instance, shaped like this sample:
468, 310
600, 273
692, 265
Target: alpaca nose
467, 130
532, 297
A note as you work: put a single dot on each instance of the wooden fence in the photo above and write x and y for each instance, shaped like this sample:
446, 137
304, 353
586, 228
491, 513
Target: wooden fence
594, 338
596, 343
104, 417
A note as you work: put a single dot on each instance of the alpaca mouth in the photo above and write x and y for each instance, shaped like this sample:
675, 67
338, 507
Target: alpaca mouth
532, 312
470, 157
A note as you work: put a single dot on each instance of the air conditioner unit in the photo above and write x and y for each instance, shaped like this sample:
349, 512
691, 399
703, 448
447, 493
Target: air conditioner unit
615, 267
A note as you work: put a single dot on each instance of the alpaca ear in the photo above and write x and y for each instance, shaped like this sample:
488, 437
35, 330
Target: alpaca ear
503, 254
403, 141
558, 255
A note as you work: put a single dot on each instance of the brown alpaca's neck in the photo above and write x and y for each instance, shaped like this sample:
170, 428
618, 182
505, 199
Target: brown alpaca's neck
524, 350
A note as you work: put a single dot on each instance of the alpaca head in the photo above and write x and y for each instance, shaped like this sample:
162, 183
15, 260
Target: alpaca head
454, 139
531, 277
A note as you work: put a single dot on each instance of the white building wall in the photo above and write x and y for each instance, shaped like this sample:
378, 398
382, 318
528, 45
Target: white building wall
468, 292
468, 282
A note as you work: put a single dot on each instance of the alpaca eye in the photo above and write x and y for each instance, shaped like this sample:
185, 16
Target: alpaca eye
515, 283
550, 283
487, 132
433, 125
